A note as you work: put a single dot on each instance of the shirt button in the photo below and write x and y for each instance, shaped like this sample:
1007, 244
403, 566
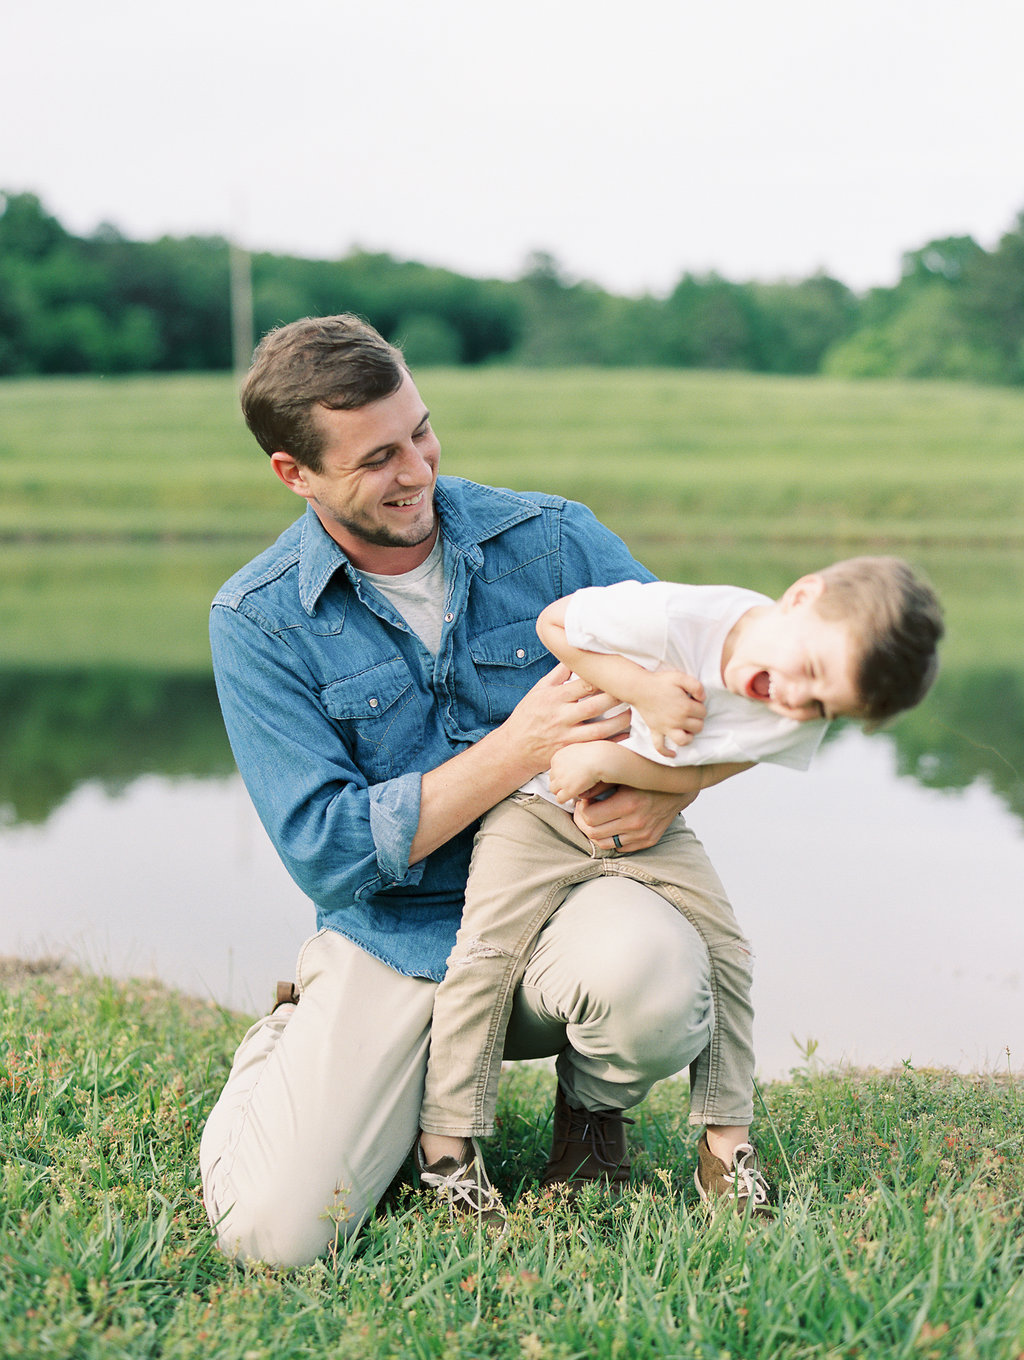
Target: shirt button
373, 703
520, 653
448, 618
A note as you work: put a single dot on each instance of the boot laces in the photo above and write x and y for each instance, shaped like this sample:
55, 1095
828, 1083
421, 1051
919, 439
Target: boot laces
601, 1131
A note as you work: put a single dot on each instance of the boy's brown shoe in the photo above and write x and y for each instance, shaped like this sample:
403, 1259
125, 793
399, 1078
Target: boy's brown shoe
463, 1185
587, 1146
740, 1185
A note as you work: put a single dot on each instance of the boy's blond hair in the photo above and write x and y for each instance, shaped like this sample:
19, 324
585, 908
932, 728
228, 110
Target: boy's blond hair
897, 624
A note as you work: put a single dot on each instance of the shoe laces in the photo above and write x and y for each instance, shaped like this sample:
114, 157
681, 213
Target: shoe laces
463, 1187
745, 1176
601, 1130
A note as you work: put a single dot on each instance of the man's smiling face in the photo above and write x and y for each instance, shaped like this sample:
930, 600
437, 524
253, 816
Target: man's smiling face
374, 493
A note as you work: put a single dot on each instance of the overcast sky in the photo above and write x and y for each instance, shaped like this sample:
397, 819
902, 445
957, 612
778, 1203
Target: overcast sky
633, 141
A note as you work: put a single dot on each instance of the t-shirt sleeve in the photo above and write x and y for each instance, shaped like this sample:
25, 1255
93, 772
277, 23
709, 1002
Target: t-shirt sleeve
792, 744
626, 619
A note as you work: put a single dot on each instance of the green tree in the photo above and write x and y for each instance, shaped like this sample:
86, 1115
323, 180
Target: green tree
709, 322
797, 323
993, 303
923, 328
27, 231
428, 339
927, 338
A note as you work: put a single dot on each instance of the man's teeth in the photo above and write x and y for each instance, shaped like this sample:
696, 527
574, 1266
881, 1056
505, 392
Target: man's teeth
412, 500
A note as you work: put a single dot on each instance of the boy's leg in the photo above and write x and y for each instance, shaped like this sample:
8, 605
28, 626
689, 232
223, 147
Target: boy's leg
722, 1079
523, 864
320, 1109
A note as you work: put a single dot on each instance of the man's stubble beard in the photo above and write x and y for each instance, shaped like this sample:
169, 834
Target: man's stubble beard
380, 537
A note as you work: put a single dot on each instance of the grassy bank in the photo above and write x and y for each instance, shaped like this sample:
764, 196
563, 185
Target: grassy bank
739, 455
901, 1234
125, 503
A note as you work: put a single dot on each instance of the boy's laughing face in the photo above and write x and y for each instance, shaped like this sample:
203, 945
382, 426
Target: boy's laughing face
791, 658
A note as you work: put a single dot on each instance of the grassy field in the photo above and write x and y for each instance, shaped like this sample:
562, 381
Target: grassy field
901, 1233
125, 503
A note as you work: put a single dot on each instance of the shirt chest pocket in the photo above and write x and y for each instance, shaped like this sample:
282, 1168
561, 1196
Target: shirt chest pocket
381, 718
509, 660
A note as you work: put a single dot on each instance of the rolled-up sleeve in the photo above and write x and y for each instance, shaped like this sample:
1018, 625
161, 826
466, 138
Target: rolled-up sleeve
339, 837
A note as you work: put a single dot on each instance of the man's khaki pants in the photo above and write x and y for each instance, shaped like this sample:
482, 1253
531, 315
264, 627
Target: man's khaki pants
323, 1100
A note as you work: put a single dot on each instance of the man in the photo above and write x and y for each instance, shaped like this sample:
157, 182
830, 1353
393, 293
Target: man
383, 686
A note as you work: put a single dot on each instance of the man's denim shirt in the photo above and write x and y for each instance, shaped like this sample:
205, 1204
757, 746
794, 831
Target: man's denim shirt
334, 707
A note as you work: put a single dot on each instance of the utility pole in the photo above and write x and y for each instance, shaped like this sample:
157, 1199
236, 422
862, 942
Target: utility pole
242, 339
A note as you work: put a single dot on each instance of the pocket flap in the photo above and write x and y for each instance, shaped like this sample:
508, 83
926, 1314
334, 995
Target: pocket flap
513, 644
368, 693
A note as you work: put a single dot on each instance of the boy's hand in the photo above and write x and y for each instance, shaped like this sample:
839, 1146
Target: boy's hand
575, 770
671, 703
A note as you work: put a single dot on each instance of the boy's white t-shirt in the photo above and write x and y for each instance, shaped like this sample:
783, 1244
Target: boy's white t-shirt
662, 625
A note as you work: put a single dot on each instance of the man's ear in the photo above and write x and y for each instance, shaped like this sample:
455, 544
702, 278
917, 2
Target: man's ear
805, 591
293, 474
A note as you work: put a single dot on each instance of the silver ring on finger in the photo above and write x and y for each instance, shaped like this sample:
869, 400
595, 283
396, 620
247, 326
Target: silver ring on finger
617, 842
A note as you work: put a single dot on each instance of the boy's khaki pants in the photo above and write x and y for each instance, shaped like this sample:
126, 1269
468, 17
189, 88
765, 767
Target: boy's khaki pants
322, 1104
527, 855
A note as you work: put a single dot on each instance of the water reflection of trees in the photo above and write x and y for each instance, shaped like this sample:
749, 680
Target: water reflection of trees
971, 727
61, 729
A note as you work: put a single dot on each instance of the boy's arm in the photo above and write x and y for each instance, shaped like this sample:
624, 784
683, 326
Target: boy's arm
671, 703
576, 769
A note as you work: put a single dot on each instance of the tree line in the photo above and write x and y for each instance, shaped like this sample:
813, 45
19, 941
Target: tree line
105, 304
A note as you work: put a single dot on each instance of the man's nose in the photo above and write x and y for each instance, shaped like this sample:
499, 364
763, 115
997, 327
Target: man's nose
413, 468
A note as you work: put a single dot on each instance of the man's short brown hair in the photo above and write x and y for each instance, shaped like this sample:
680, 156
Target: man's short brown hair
896, 621
337, 362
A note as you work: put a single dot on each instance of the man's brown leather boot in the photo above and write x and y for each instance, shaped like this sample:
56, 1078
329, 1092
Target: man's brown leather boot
587, 1146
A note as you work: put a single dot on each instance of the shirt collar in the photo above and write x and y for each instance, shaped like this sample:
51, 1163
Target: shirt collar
470, 514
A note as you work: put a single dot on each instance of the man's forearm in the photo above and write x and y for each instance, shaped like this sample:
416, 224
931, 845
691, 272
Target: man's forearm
463, 789
552, 714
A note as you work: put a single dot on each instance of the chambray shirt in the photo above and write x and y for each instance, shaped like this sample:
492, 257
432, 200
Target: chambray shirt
334, 707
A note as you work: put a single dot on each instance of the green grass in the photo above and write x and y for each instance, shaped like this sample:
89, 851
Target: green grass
124, 503
901, 1233
739, 454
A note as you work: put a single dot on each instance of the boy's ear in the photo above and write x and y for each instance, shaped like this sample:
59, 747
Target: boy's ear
293, 474
805, 591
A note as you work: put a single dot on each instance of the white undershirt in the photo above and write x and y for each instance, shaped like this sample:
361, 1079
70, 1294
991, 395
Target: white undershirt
418, 595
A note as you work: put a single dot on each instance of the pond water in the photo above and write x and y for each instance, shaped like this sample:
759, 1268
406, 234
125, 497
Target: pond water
885, 913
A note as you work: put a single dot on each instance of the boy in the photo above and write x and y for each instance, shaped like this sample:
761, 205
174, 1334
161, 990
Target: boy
857, 639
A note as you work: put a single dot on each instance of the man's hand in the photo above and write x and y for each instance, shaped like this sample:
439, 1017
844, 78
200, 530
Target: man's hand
639, 817
556, 712
671, 703
549, 716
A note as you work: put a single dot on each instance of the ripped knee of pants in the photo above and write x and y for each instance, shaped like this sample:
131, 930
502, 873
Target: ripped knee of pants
475, 950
